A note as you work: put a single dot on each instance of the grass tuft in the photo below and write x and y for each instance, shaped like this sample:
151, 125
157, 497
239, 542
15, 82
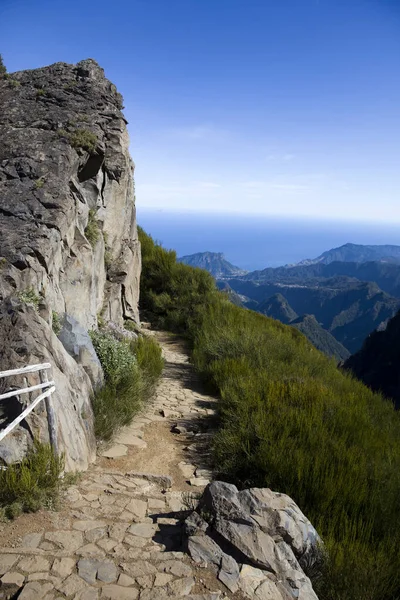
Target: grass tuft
32, 484
92, 229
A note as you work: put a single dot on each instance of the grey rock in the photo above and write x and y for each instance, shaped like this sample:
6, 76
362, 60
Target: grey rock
267, 529
165, 481
195, 524
77, 342
87, 569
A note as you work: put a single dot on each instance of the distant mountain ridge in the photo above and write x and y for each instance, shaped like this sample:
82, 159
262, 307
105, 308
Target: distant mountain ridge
356, 253
213, 262
351, 291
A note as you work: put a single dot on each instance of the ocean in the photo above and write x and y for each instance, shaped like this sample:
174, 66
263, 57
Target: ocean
255, 242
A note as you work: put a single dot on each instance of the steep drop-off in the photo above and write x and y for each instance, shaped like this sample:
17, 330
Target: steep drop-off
68, 241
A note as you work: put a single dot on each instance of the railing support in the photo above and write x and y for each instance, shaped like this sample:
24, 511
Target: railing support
51, 419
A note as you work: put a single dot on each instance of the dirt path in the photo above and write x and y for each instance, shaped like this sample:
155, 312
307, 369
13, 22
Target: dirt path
119, 534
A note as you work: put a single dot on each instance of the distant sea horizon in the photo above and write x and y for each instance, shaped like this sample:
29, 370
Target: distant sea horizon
258, 241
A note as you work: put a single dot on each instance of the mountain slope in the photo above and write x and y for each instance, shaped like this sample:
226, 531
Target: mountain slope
213, 262
322, 339
377, 364
356, 253
347, 308
278, 308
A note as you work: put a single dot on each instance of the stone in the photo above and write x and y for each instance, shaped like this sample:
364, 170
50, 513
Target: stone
134, 541
146, 581
181, 587
115, 451
137, 507
117, 531
107, 544
87, 594
154, 504
13, 577
62, 567
34, 564
162, 579
203, 549
107, 571
139, 568
117, 592
77, 342
186, 469
90, 550
125, 580
88, 525
7, 561
67, 540
164, 481
199, 482
129, 437
32, 540
35, 590
229, 573
178, 568
87, 569
94, 535
72, 585
144, 530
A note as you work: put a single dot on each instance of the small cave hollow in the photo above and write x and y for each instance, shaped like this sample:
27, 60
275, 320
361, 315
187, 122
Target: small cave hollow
91, 167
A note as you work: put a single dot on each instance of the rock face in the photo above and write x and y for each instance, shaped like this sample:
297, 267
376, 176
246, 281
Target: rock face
68, 239
256, 539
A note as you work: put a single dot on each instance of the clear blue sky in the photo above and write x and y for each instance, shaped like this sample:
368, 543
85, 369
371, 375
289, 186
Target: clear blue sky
284, 107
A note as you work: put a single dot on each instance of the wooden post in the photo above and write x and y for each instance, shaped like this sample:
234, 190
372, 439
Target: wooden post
51, 419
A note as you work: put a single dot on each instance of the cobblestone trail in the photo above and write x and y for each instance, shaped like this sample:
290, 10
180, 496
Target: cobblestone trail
118, 535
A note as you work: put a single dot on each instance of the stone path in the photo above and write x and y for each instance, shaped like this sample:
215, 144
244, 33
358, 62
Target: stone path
119, 534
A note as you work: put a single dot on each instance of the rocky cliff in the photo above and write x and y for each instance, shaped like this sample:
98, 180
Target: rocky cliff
69, 252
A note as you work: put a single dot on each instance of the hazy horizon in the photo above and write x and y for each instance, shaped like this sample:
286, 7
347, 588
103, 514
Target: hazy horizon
255, 242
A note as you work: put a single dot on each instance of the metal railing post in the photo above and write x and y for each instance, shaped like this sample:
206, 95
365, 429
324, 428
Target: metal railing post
51, 419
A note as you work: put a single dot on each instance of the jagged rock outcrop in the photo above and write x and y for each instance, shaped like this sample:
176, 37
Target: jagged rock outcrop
68, 239
257, 540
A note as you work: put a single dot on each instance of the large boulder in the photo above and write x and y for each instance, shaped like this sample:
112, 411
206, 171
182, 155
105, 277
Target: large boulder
256, 539
76, 340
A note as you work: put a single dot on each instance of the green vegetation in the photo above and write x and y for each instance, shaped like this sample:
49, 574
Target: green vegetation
131, 371
13, 83
33, 483
56, 323
39, 183
30, 297
80, 138
170, 291
92, 229
40, 92
291, 421
3, 68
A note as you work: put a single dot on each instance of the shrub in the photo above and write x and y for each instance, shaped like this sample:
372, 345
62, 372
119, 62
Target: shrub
92, 229
116, 357
80, 138
3, 69
13, 83
33, 483
56, 322
131, 371
83, 138
30, 297
291, 421
39, 183
40, 92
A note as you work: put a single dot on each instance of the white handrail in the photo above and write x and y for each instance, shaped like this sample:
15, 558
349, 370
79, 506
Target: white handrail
33, 388
26, 412
44, 383
28, 369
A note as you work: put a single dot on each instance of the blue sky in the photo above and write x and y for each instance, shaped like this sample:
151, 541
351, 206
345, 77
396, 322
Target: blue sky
281, 107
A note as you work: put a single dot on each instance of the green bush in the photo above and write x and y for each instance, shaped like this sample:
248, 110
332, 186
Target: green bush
30, 297
33, 483
291, 421
131, 371
56, 323
92, 229
80, 138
